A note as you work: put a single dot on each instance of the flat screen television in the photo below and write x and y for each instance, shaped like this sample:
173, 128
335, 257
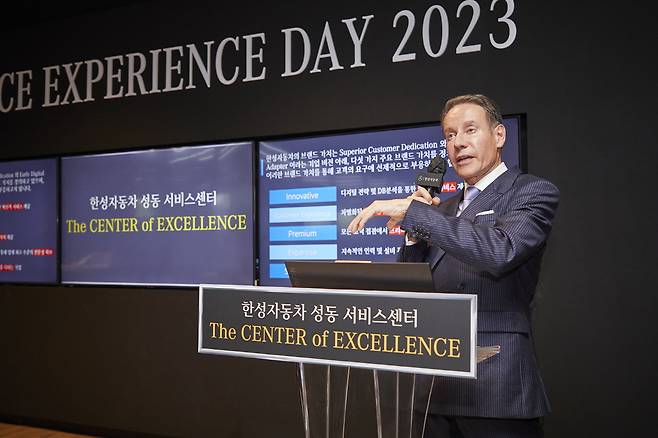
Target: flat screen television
176, 216
311, 188
28, 221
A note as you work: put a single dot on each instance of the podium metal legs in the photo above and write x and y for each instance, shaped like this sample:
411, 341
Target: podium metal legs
401, 409
324, 396
304, 399
393, 406
382, 404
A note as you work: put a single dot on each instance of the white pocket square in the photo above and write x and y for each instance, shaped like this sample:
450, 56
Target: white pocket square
482, 213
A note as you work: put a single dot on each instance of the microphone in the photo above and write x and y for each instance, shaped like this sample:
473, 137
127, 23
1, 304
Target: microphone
432, 180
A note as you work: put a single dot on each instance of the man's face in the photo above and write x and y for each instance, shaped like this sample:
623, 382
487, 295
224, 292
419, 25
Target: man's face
474, 147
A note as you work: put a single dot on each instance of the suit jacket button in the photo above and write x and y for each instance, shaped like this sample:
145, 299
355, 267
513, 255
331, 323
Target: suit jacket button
460, 286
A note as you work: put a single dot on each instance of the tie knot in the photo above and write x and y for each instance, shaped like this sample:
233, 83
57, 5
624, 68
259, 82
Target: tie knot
471, 193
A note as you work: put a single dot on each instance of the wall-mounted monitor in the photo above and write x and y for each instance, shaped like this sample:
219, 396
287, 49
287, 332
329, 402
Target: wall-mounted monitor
311, 188
175, 216
28, 221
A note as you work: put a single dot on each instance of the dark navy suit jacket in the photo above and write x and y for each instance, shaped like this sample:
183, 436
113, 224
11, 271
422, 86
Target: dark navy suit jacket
497, 255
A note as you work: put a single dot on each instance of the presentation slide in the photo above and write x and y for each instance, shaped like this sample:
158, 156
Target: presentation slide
28, 221
177, 216
310, 189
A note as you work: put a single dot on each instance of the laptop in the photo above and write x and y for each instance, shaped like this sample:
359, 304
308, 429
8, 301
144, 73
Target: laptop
341, 274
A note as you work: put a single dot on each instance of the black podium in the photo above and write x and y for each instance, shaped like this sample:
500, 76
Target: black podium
366, 359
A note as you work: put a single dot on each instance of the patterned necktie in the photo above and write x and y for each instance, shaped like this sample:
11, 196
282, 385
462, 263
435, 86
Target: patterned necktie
469, 195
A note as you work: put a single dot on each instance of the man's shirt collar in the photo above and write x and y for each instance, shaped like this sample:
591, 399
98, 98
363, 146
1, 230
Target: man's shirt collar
489, 177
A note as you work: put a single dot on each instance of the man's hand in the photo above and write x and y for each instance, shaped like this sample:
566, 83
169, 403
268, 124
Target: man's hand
421, 194
394, 208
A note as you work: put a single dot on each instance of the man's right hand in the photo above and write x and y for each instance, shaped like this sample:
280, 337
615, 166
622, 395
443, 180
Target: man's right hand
421, 194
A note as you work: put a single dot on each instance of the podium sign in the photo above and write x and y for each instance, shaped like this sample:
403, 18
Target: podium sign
410, 332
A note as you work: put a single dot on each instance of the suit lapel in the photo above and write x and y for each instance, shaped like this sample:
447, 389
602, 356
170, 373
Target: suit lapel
485, 199
488, 197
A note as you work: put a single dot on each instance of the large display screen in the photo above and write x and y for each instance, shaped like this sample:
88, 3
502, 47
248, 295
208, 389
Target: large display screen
311, 188
28, 221
178, 216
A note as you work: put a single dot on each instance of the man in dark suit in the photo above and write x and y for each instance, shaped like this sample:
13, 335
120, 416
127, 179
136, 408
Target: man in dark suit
489, 241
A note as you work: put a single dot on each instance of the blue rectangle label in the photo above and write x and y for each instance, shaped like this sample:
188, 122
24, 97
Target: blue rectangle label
324, 213
303, 195
278, 270
303, 252
296, 233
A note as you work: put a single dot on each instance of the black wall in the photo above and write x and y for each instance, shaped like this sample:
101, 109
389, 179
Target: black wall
124, 359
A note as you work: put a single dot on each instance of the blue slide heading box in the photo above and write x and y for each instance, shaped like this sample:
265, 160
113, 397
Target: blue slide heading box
301, 233
278, 270
304, 252
303, 195
323, 213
